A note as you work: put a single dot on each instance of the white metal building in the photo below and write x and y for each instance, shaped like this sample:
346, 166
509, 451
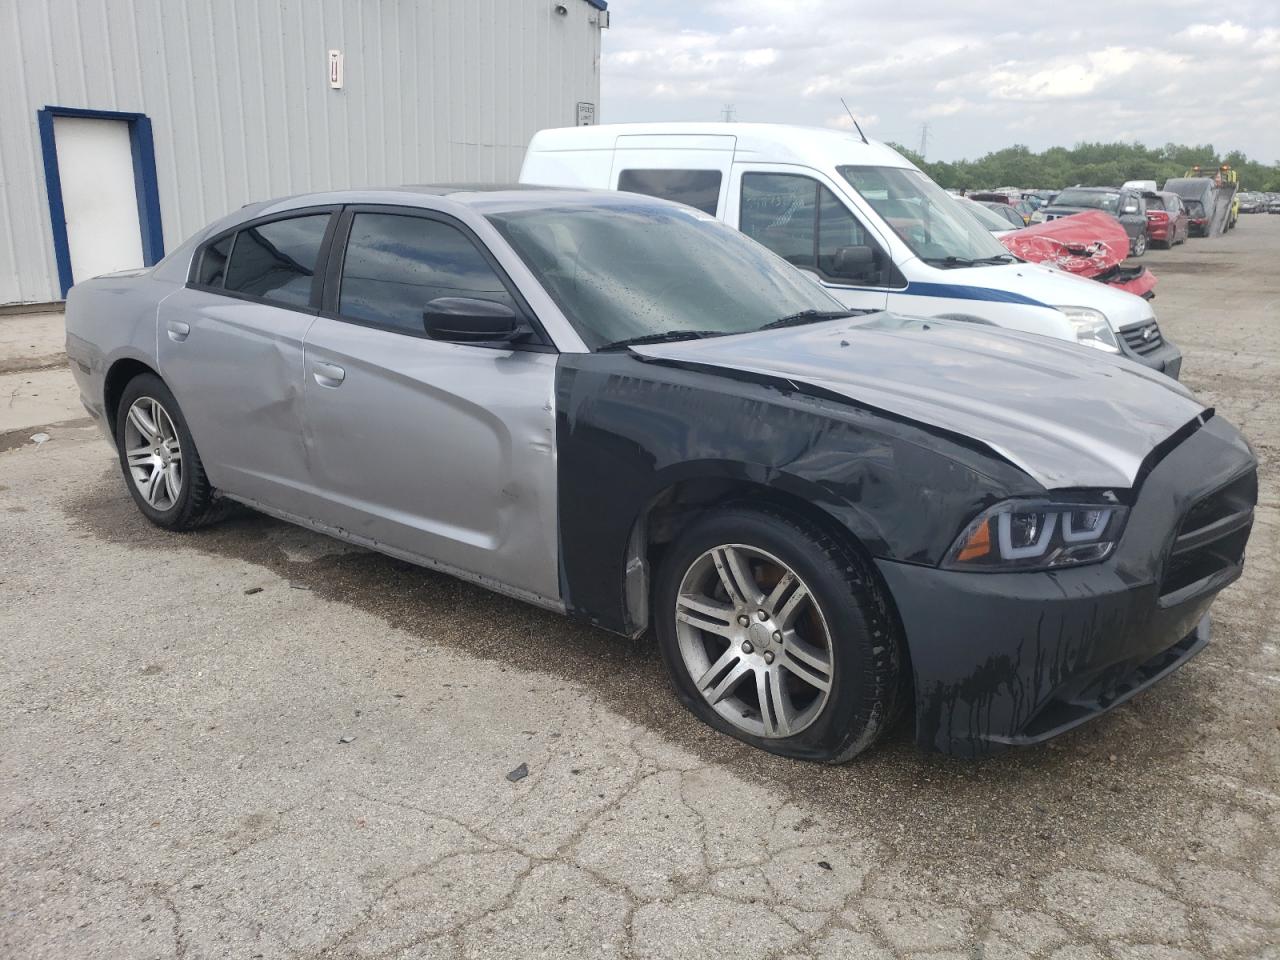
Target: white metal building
126, 125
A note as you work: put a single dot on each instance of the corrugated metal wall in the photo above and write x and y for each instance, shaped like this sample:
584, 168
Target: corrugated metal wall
238, 95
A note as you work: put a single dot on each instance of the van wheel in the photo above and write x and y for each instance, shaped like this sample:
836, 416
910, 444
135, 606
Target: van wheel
161, 465
779, 635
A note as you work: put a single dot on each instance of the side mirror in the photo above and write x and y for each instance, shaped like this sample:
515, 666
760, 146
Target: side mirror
854, 263
468, 320
1132, 208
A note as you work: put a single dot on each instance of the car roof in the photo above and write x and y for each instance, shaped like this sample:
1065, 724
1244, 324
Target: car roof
483, 198
765, 142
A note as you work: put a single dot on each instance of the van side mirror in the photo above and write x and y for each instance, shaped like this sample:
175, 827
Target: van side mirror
854, 263
469, 320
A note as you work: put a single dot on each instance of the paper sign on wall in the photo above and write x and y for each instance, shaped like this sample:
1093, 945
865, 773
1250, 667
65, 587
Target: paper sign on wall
335, 69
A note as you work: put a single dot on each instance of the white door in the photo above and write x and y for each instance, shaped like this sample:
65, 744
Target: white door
99, 199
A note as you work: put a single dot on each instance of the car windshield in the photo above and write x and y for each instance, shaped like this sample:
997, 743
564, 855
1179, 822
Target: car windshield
989, 219
928, 219
627, 271
1093, 199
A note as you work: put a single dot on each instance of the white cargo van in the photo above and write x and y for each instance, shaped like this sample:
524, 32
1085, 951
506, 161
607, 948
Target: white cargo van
869, 225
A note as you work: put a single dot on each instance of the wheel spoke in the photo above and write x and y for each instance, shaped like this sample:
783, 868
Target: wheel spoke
174, 448
736, 576
152, 486
775, 704
787, 613
706, 615
145, 426
806, 673
173, 480
139, 456
708, 677
771, 602
727, 683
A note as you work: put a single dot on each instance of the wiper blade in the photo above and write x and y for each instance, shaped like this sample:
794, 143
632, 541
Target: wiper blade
808, 316
968, 262
666, 336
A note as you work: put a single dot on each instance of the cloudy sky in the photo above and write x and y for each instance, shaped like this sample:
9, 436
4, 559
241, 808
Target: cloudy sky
982, 75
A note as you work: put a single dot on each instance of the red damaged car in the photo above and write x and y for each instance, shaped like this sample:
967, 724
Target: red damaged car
1091, 244
1167, 220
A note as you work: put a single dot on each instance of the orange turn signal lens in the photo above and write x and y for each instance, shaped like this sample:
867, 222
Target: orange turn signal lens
979, 543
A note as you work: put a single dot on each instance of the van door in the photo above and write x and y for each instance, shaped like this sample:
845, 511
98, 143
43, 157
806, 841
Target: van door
801, 216
688, 168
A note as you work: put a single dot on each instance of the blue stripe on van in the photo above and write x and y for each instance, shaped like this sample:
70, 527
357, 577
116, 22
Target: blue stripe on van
960, 292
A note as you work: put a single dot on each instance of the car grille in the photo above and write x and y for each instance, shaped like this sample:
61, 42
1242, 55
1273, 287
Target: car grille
1209, 548
1143, 338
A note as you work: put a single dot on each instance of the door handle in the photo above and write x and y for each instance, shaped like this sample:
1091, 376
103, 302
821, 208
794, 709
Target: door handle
178, 330
328, 374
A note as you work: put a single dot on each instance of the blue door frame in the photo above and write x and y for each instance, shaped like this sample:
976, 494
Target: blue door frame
144, 184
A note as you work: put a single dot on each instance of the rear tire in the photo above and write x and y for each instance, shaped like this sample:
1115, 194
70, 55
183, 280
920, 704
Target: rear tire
158, 457
794, 650
1140, 244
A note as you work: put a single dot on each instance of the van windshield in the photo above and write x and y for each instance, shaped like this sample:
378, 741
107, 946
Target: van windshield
928, 219
624, 271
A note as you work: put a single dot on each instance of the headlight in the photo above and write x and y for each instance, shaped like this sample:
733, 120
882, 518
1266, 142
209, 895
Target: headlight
1037, 535
1091, 328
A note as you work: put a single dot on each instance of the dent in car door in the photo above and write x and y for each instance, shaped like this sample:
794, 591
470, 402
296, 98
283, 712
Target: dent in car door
440, 450
230, 349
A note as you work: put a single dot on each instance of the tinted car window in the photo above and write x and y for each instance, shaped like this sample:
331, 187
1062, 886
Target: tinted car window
277, 260
396, 264
213, 263
697, 188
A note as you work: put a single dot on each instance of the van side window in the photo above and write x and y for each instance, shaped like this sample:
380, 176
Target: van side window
801, 221
699, 189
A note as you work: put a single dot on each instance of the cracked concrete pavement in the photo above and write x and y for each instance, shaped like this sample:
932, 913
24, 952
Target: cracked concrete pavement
175, 781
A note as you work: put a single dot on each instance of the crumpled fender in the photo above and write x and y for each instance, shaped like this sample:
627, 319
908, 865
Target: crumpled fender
1090, 244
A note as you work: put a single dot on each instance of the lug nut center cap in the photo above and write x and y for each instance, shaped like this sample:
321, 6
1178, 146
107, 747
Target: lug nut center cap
761, 635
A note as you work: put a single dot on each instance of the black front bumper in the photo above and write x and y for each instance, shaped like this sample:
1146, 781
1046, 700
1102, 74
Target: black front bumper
1016, 658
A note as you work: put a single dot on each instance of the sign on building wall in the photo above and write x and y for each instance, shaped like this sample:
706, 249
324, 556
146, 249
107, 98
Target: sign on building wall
586, 113
335, 69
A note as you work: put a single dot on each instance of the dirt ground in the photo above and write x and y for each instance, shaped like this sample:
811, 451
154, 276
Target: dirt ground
256, 742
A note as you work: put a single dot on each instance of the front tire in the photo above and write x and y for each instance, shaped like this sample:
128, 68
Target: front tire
158, 457
1140, 244
778, 634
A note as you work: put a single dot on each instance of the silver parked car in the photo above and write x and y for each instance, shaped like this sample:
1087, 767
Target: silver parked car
619, 408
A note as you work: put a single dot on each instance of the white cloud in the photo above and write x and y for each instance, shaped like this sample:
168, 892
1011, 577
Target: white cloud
1225, 32
978, 73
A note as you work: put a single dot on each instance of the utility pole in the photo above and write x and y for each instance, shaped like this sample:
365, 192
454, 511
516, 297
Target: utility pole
924, 139
727, 113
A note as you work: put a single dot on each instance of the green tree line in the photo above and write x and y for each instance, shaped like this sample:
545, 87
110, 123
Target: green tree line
1091, 164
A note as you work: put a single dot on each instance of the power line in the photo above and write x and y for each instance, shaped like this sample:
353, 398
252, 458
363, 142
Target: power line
924, 139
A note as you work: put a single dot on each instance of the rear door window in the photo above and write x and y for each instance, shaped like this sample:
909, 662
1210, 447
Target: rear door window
213, 262
276, 261
396, 264
696, 188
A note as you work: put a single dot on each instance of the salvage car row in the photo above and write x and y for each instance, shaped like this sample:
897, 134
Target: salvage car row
802, 418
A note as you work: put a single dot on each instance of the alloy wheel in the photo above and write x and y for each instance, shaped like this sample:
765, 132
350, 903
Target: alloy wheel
754, 641
154, 453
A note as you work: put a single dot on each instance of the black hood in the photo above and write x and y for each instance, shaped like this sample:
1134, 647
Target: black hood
1068, 415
